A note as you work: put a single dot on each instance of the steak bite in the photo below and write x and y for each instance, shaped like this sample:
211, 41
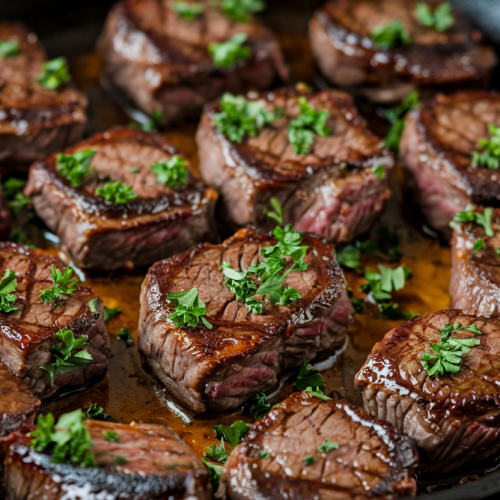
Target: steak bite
336, 189
136, 461
162, 62
446, 399
33, 333
135, 203
239, 353
308, 448
437, 150
34, 120
382, 49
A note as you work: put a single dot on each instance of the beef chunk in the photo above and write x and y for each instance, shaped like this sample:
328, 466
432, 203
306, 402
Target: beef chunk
34, 121
436, 147
279, 458
333, 191
454, 418
106, 235
148, 462
341, 39
162, 63
27, 333
243, 353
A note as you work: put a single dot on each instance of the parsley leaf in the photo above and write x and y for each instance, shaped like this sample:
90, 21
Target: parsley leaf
309, 460
230, 52
318, 393
111, 436
190, 309
391, 35
75, 167
239, 117
481, 219
126, 336
95, 412
241, 10
154, 122
63, 284
18, 203
188, 11
260, 406
350, 256
54, 73
478, 245
234, 433
238, 282
9, 48
214, 472
390, 310
441, 19
172, 173
396, 118
116, 192
217, 453
328, 446
308, 376
382, 284
264, 453
490, 156
111, 312
12, 186
304, 127
358, 305
8, 285
379, 171
277, 215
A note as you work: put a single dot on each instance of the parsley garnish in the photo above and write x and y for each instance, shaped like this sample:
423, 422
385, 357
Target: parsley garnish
126, 336
277, 215
350, 256
116, 192
75, 167
230, 52
134, 170
234, 433
490, 156
241, 10
95, 412
111, 312
66, 359
172, 173
63, 285
9, 48
304, 127
111, 436
94, 307
328, 446
68, 440
441, 19
8, 285
481, 219
309, 460
260, 406
238, 282
120, 460
319, 394
308, 376
153, 123
358, 305
190, 309
188, 11
239, 117
478, 245
217, 453
446, 357
54, 73
391, 35
18, 203
396, 118
379, 171
12, 186
264, 453
214, 472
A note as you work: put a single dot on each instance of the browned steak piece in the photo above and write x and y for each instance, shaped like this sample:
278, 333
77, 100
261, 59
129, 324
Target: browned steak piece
333, 191
162, 63
475, 274
436, 147
279, 458
341, 39
243, 353
27, 333
17, 403
454, 418
148, 462
105, 235
34, 121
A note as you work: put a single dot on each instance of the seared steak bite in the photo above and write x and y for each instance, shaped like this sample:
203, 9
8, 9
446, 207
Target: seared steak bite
435, 378
162, 62
436, 153
308, 448
157, 209
239, 353
34, 120
336, 190
30, 332
136, 461
344, 41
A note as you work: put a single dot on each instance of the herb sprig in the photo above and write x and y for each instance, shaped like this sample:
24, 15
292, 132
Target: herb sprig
396, 118
188, 11
481, 219
125, 335
391, 35
75, 167
64, 284
490, 154
54, 73
260, 406
8, 285
440, 19
241, 11
110, 313
189, 310
230, 52
116, 192
172, 173
9, 48
95, 412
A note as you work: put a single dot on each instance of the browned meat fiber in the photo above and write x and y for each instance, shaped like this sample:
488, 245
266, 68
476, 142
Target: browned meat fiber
148, 462
436, 148
454, 417
162, 63
101, 234
279, 458
243, 353
27, 334
341, 40
333, 191
34, 121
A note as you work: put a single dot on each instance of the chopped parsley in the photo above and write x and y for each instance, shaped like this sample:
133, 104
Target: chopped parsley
111, 436
304, 127
189, 310
116, 192
9, 48
111, 312
95, 412
260, 406
358, 305
277, 215
239, 117
441, 19
217, 453
94, 307
264, 453
396, 118
120, 460
63, 285
214, 472
328, 446
309, 460
350, 256
8, 285
318, 393
154, 122
481, 219
308, 376
18, 203
188, 11
490, 155
126, 336
54, 73
478, 245
134, 170
12, 186
232, 434
242, 10
75, 167
172, 173
379, 171
391, 35
230, 52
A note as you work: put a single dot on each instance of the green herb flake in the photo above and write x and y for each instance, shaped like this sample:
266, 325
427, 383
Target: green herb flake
75, 167
95, 306
478, 245
441, 19
277, 214
8, 285
490, 154
350, 256
264, 454
318, 393
217, 453
309, 460
214, 472
120, 460
18, 203
95, 412
358, 305
12, 186
230, 52
63, 285
54, 73
116, 192
172, 173
308, 376
110, 313
481, 219
391, 35
328, 446
260, 406
134, 170
381, 285
9, 48
111, 436
396, 118
188, 11
126, 336
234, 433
189, 310
379, 171
241, 11
154, 122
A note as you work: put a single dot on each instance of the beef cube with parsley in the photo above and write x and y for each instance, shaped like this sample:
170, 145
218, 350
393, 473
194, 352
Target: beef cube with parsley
311, 447
123, 198
41, 112
221, 323
310, 151
52, 332
73, 457
436, 378
189, 53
